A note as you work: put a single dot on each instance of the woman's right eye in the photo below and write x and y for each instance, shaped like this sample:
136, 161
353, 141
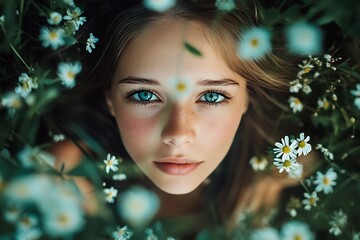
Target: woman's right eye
142, 97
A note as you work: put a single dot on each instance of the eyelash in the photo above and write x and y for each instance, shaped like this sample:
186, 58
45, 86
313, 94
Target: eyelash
129, 97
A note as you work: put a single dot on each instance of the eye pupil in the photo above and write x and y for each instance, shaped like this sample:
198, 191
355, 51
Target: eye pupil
145, 96
212, 97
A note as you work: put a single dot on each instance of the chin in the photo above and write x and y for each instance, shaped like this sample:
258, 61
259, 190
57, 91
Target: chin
177, 189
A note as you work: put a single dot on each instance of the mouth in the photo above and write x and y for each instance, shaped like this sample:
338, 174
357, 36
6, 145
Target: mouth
177, 166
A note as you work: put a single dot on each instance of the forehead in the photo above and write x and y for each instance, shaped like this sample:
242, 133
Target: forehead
158, 52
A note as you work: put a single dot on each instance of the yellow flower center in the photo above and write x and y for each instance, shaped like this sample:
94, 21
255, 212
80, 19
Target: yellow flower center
53, 35
286, 149
312, 200
287, 163
297, 237
56, 19
63, 219
297, 101
326, 104
181, 87
307, 69
302, 144
26, 221
70, 75
326, 181
254, 42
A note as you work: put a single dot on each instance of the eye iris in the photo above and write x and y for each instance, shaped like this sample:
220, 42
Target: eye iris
212, 97
145, 96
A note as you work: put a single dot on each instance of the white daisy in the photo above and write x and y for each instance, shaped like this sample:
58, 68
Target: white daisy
119, 177
110, 194
111, 163
137, 206
67, 73
284, 149
69, 2
295, 104
180, 88
26, 85
27, 222
74, 17
338, 222
288, 165
310, 200
267, 233
34, 157
306, 67
52, 37
297, 172
12, 101
55, 18
225, 5
29, 234
323, 103
255, 43
306, 89
258, 163
295, 86
295, 230
2, 19
58, 137
325, 182
303, 146
159, 5
90, 43
122, 233
356, 94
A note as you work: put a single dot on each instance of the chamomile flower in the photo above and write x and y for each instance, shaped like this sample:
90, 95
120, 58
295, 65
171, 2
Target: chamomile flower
90, 43
258, 163
310, 200
55, 18
69, 2
295, 104
323, 103
74, 17
28, 234
297, 172
325, 151
295, 230
53, 37
2, 19
295, 86
285, 150
255, 43
225, 5
325, 182
119, 177
122, 233
137, 206
304, 38
159, 5
67, 73
303, 145
12, 101
27, 222
25, 85
288, 165
111, 163
306, 67
356, 94
110, 194
58, 137
306, 89
34, 157
267, 233
338, 222
180, 88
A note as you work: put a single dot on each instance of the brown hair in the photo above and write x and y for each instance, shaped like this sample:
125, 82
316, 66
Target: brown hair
264, 77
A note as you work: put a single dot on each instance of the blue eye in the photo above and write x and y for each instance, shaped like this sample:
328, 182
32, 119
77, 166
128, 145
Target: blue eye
212, 97
144, 96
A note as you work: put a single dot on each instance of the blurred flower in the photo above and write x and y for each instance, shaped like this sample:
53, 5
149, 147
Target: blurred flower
26, 84
58, 137
28, 234
267, 233
303, 146
55, 18
225, 5
180, 88
255, 43
325, 151
110, 194
284, 149
137, 206
73, 17
111, 163
295, 104
2, 19
310, 200
306, 67
295, 86
150, 235
67, 73
338, 222
90, 43
288, 165
304, 38
27, 222
356, 236
307, 89
122, 233
296, 230
258, 163
297, 172
12, 213
356, 93
325, 182
69, 2
12, 101
52, 37
323, 103
159, 5
34, 157
119, 177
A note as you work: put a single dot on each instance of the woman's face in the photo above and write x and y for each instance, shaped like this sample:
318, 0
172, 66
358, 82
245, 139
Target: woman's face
176, 141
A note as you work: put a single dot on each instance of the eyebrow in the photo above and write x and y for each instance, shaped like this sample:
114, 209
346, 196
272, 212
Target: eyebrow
206, 82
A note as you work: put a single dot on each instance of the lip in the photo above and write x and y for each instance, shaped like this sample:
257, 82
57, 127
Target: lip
177, 166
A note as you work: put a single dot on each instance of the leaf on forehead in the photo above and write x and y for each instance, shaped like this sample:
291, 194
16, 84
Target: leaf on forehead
192, 49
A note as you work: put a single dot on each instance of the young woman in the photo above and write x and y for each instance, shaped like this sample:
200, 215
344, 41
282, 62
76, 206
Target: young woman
189, 119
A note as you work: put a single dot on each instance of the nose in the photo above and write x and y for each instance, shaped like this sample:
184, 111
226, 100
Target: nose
179, 126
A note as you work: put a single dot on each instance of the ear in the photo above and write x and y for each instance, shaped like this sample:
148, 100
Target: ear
109, 102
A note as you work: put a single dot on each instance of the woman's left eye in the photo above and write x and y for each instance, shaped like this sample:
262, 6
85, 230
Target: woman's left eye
213, 98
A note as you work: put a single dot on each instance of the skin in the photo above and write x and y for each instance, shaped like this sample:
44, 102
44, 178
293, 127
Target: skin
171, 127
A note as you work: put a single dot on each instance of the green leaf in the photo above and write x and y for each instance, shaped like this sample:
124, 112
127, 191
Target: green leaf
192, 49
